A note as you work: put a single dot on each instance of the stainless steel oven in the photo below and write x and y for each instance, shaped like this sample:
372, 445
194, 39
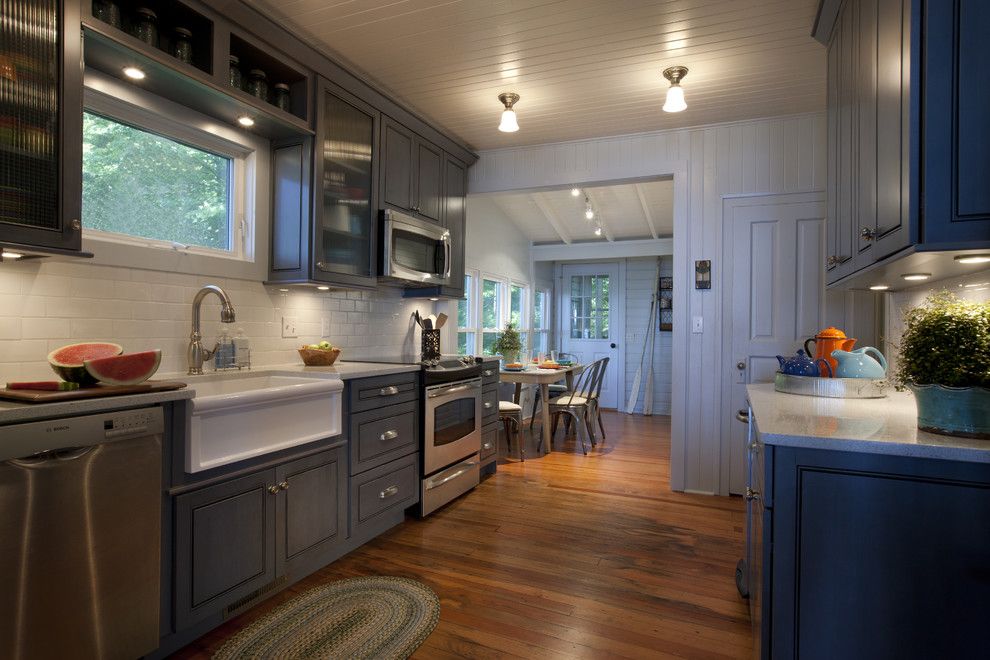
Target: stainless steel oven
451, 423
414, 250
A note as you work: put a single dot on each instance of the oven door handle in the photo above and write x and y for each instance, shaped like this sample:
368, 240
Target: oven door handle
430, 485
453, 390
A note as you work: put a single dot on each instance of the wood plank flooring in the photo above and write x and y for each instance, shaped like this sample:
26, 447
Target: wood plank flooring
567, 556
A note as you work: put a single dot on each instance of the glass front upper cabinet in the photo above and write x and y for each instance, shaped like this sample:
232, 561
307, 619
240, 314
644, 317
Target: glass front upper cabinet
40, 124
345, 235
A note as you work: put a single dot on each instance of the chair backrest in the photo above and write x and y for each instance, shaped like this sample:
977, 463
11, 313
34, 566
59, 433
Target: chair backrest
597, 387
584, 385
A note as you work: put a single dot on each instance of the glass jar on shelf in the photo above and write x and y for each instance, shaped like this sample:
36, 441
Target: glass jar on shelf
283, 100
183, 48
146, 26
236, 78
108, 12
257, 85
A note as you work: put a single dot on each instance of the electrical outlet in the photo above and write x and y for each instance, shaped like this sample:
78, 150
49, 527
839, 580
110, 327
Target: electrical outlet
698, 325
324, 327
289, 326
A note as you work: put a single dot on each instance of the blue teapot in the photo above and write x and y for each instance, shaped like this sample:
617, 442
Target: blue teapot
857, 364
802, 365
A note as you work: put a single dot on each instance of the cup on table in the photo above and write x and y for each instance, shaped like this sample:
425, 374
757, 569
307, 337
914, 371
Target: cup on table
553, 356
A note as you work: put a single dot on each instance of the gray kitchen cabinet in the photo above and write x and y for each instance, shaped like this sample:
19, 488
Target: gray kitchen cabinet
380, 496
236, 539
908, 153
873, 556
412, 179
383, 434
325, 197
41, 146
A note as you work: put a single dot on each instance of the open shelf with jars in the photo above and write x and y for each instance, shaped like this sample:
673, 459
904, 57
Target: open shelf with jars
256, 73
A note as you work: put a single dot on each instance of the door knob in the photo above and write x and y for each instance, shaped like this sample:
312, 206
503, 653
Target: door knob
612, 345
741, 365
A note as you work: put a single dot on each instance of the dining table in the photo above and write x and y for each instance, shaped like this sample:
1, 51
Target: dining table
534, 375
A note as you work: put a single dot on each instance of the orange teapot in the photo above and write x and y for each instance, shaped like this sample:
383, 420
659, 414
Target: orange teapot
828, 340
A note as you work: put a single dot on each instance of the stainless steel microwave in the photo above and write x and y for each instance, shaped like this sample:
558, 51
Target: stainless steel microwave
413, 250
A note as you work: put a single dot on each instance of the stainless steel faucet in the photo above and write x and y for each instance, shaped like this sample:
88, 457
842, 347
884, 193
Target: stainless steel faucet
196, 353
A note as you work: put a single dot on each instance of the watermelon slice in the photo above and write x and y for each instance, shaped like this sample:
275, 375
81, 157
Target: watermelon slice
44, 385
68, 361
129, 369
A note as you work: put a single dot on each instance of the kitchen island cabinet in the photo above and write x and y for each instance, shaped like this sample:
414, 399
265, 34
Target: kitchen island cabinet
875, 536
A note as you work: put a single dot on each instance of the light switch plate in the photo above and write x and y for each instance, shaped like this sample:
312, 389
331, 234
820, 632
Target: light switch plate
698, 325
289, 326
324, 327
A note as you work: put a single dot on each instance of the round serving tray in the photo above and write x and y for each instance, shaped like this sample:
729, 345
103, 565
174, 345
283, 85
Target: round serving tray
833, 388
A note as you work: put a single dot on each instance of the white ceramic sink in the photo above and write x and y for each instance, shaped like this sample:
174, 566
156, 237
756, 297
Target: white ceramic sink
240, 416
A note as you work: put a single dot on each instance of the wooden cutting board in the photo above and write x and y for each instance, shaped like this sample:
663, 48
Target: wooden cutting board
35, 396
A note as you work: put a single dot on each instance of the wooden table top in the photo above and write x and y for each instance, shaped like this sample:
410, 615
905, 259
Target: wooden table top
537, 375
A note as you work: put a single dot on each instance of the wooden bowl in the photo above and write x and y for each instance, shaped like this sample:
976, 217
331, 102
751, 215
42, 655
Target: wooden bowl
317, 357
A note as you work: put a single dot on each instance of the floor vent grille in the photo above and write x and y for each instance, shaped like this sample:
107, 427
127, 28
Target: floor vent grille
238, 605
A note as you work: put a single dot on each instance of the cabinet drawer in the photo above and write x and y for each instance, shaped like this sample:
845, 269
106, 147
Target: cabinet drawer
371, 393
489, 405
489, 441
379, 436
489, 373
392, 486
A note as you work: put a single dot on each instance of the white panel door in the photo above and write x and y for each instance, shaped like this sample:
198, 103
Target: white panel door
591, 320
773, 299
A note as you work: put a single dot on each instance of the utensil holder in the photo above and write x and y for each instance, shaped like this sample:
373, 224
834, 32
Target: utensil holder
431, 344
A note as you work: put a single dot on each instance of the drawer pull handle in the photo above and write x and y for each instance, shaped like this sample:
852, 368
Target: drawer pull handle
391, 390
743, 416
488, 404
487, 445
389, 435
388, 492
487, 372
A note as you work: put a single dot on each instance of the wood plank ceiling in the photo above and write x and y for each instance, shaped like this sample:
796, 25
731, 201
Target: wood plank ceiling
584, 68
625, 212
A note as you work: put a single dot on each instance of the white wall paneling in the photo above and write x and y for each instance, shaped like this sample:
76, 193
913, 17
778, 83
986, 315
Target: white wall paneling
707, 163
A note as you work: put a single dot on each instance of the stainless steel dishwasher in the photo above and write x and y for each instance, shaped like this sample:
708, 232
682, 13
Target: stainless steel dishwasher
80, 536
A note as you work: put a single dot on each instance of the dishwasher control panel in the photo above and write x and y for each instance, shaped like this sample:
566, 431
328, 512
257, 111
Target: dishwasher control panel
31, 438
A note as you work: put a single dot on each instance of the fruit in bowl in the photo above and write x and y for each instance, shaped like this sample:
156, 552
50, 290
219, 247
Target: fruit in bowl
549, 365
323, 354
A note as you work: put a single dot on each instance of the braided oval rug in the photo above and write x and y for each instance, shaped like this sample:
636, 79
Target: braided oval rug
365, 617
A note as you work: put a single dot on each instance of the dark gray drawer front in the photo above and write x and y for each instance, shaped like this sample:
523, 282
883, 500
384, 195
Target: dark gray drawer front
489, 406
379, 436
392, 486
489, 441
371, 393
489, 373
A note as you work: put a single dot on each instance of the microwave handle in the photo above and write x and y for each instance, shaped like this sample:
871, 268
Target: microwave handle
447, 252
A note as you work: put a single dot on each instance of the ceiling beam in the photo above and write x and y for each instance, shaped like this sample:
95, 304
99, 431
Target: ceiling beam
646, 210
646, 247
551, 217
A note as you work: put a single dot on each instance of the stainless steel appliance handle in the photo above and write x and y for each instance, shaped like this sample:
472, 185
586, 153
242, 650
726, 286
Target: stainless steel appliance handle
446, 255
430, 485
487, 373
488, 404
388, 492
391, 390
391, 434
743, 416
65, 454
487, 445
453, 390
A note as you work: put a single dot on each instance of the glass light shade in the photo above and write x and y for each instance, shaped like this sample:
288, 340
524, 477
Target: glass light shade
675, 99
508, 123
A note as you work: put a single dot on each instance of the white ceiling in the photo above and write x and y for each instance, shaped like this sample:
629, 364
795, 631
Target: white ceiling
627, 211
584, 68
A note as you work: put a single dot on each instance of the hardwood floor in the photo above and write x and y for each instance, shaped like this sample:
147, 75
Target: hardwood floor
568, 556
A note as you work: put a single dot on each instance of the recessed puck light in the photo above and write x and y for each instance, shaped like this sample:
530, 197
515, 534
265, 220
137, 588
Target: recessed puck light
879, 287
133, 73
915, 277
323, 288
973, 258
245, 121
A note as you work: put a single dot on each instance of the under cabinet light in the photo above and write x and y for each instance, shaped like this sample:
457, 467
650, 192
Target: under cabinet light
245, 121
6, 254
133, 73
915, 277
973, 258
879, 287
322, 288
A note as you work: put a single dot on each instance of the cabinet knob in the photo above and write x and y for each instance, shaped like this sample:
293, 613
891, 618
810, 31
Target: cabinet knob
283, 485
75, 224
487, 445
831, 261
867, 234
273, 490
488, 404
322, 265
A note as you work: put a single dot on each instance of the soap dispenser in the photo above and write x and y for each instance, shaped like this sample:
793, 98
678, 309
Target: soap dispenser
242, 349
223, 357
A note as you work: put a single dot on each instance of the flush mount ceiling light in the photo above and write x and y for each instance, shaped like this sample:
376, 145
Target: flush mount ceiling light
133, 73
879, 287
675, 93
575, 192
973, 258
245, 121
915, 277
508, 123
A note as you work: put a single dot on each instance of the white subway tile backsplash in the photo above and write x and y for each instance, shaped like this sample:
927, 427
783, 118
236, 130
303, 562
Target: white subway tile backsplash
49, 304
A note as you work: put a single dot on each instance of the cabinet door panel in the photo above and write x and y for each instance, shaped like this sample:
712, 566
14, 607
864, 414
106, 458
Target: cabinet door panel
866, 133
311, 508
846, 212
832, 178
957, 134
224, 545
429, 177
397, 153
455, 219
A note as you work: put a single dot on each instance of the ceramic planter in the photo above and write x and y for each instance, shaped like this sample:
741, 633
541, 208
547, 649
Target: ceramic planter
960, 411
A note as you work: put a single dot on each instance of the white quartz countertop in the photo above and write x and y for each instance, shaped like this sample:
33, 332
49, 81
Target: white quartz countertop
12, 412
877, 426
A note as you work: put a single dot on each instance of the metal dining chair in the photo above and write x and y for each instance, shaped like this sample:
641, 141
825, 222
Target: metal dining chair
596, 395
554, 389
576, 405
510, 414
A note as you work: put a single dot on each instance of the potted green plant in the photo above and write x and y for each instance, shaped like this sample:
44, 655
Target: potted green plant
508, 343
945, 360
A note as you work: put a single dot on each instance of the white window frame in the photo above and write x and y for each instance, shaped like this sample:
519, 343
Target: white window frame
544, 330
525, 311
473, 312
501, 311
249, 197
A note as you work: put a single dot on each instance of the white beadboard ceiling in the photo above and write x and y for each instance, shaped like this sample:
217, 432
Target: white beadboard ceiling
584, 68
626, 211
